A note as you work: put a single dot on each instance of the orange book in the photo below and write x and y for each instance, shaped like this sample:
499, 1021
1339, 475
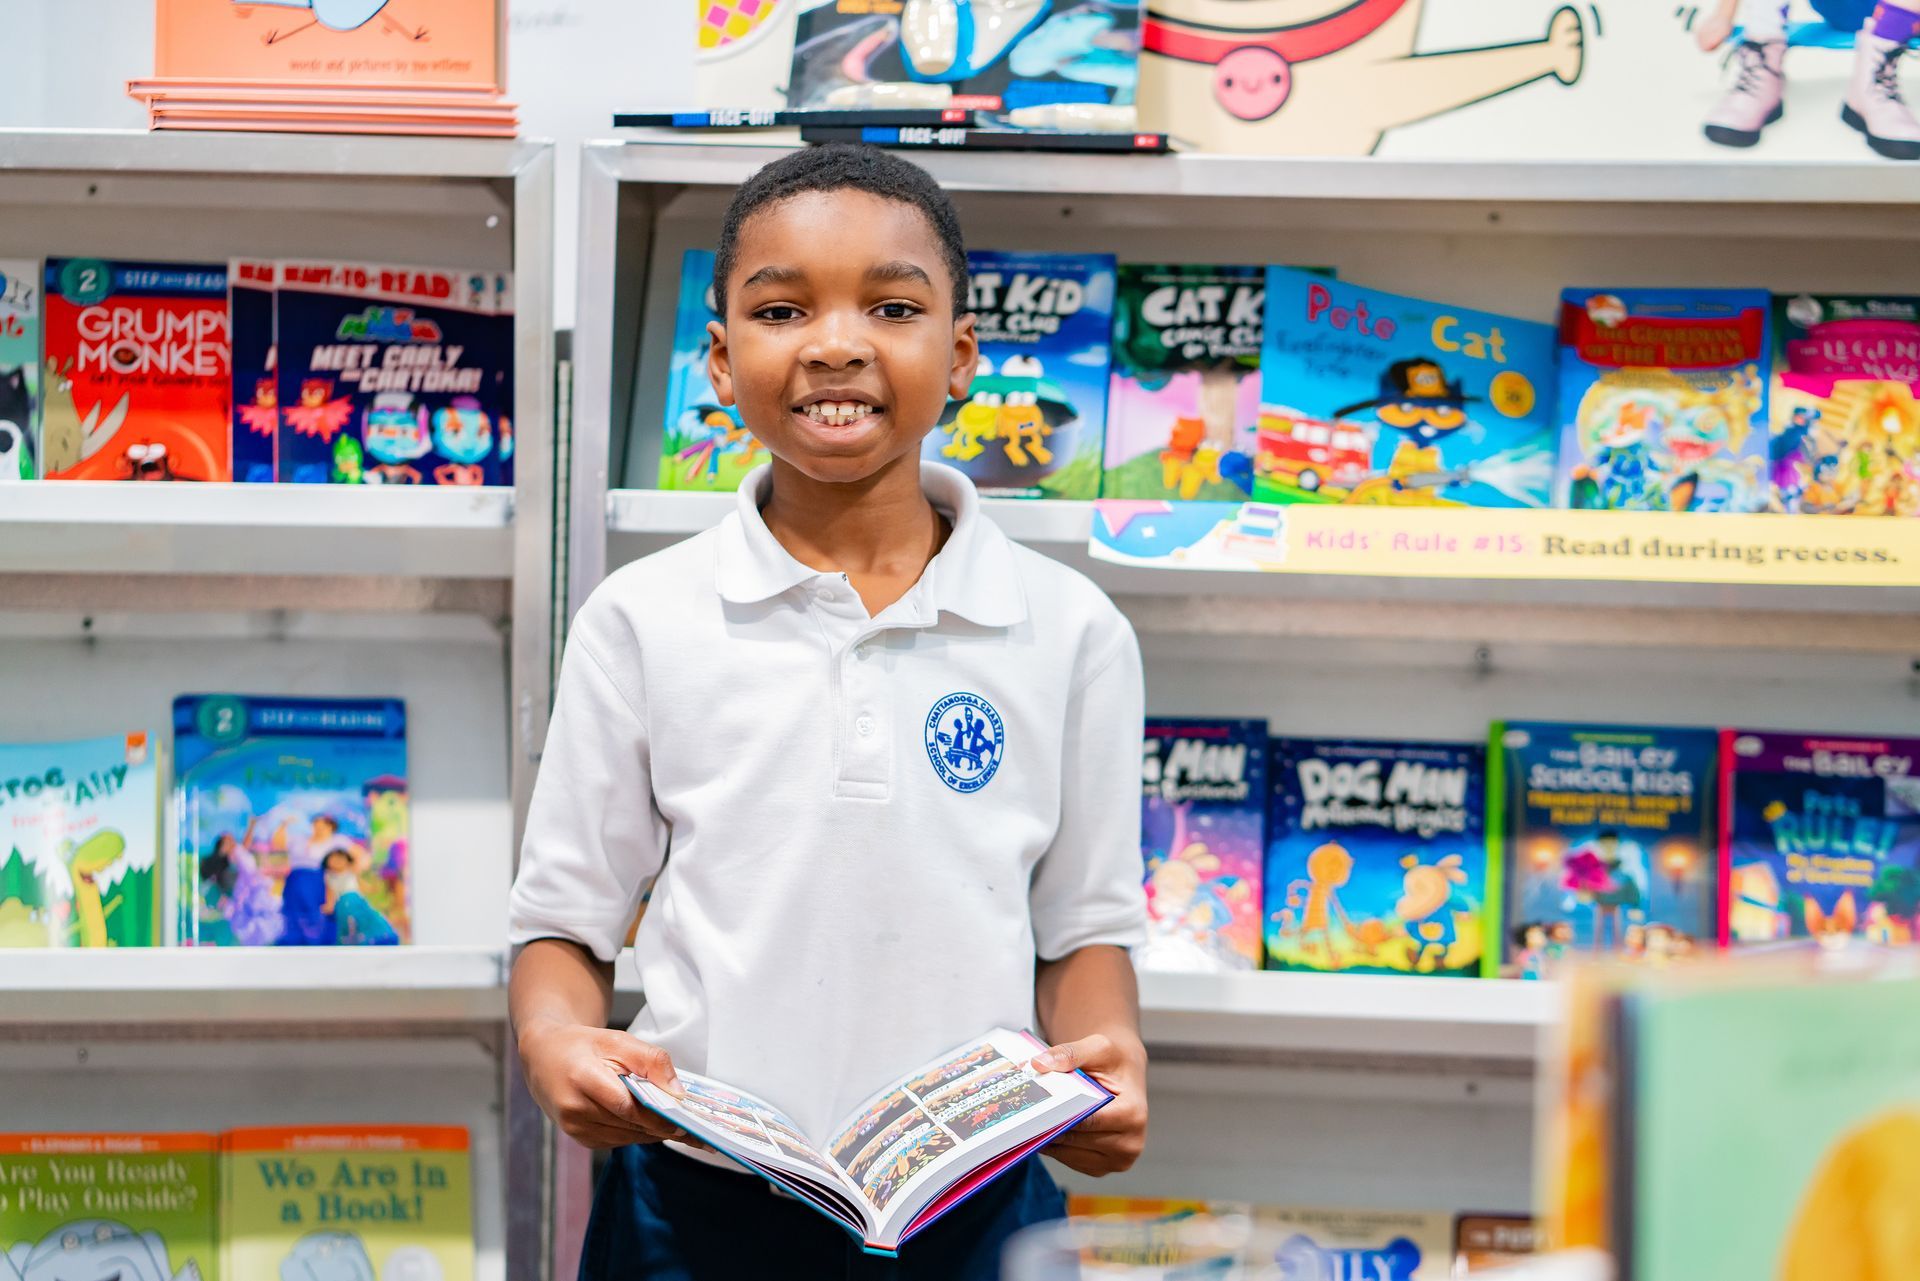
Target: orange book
386, 41
256, 124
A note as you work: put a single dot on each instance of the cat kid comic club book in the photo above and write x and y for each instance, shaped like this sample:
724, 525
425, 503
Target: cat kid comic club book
139, 371
1846, 404
393, 375
1034, 420
1607, 838
1376, 858
293, 820
19, 370
1368, 397
1185, 395
1203, 786
703, 444
139, 1207
1820, 838
1663, 399
80, 832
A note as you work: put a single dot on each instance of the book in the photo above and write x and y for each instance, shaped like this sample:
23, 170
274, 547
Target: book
1663, 399
916, 1149
256, 392
1203, 787
137, 1207
957, 138
139, 371
703, 444
1033, 422
81, 832
293, 820
1483, 1243
1184, 401
1081, 1205
772, 118
1845, 404
1371, 398
1338, 1243
1820, 837
1376, 857
19, 370
1606, 839
347, 1201
372, 43
392, 376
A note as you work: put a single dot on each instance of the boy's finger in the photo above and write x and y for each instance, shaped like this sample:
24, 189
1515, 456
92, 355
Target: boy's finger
643, 1060
1092, 1051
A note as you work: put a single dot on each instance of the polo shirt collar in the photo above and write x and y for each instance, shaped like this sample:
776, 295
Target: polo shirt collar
974, 575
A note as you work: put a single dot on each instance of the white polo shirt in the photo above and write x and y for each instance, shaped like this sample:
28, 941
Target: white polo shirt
875, 824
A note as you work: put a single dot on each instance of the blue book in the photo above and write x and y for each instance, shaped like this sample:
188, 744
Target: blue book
1203, 787
703, 444
1369, 397
256, 389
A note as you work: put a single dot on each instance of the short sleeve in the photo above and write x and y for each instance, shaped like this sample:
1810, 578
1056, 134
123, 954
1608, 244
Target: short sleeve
595, 840
1087, 887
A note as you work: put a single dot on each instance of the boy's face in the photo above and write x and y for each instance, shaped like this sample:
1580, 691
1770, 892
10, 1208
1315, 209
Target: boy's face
840, 345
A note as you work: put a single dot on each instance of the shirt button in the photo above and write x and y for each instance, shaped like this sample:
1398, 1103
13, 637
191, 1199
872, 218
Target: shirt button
865, 726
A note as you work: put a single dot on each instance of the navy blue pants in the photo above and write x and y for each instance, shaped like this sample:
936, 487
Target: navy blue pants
661, 1216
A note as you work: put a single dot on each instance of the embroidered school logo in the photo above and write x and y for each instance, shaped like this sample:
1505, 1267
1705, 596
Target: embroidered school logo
965, 741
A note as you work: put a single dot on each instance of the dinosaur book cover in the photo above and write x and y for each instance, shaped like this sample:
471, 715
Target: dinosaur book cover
139, 371
1034, 421
348, 1202
80, 843
444, 43
703, 444
1376, 858
19, 370
137, 1207
1203, 786
1821, 837
293, 820
1607, 838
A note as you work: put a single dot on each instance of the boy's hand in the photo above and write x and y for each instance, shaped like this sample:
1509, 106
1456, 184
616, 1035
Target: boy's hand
1112, 1139
573, 1072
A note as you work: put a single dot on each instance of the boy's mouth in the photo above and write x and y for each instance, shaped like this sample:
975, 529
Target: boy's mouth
837, 409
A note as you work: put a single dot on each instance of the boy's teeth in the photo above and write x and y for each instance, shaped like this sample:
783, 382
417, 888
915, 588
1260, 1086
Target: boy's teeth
836, 413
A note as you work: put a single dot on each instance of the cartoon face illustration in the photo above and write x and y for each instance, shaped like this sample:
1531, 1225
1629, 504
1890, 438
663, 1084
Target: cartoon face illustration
95, 1250
1696, 434
335, 15
395, 430
463, 431
315, 392
327, 1256
1630, 424
412, 1263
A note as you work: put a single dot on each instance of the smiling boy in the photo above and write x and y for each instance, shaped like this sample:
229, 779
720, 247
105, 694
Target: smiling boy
893, 756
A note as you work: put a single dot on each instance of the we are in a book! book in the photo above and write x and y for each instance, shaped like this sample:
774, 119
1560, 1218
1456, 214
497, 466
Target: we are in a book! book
916, 1149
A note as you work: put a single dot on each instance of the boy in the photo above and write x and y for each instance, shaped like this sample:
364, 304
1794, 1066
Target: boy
894, 756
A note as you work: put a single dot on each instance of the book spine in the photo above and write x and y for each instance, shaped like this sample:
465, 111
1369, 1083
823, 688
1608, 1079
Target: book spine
1493, 926
1724, 890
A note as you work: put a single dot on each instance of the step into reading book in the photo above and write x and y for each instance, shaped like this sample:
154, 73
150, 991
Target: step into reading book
916, 1149
87, 1207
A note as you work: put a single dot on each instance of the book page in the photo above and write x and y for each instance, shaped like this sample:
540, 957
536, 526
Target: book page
756, 1129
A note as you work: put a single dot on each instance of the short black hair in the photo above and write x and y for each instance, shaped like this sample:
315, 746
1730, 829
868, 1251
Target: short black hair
843, 166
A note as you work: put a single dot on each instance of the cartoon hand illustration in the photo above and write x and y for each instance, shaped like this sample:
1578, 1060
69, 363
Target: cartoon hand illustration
1566, 45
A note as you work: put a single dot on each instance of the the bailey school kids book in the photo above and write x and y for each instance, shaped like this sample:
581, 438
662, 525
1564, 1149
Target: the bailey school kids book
1203, 787
87, 1207
19, 370
1368, 397
1820, 837
703, 444
1033, 423
1392, 1245
918, 1148
343, 1201
256, 391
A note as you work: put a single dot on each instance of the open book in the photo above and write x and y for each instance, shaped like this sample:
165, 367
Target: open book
906, 1156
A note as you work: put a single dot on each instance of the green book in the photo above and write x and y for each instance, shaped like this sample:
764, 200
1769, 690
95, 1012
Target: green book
138, 1207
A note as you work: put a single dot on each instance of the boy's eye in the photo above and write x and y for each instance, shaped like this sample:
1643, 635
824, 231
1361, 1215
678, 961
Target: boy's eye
776, 312
897, 310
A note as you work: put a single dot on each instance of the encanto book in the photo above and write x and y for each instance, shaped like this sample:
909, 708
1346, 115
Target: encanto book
915, 1150
80, 828
256, 391
1663, 399
1820, 838
293, 820
139, 1207
1376, 858
1401, 1245
1846, 421
360, 1202
1033, 422
703, 444
1184, 400
1203, 786
1607, 839
19, 370
139, 371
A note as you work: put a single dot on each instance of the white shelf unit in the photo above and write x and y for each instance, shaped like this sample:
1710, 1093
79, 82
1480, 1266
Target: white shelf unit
116, 598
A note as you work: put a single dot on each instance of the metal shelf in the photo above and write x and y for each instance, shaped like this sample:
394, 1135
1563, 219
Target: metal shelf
290, 155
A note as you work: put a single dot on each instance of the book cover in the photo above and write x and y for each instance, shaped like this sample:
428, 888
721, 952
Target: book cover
1184, 400
380, 43
1203, 786
1376, 857
1484, 1243
1081, 1205
1401, 1245
703, 444
1368, 397
347, 1202
1821, 837
88, 1207
19, 370
1846, 421
139, 371
256, 392
80, 825
293, 820
392, 376
1663, 399
1608, 838
1033, 422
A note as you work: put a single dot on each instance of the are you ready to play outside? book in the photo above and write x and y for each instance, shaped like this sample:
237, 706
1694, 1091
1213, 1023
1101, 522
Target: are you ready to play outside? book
917, 1148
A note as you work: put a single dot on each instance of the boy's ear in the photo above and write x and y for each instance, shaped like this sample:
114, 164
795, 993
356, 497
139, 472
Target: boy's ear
966, 357
719, 362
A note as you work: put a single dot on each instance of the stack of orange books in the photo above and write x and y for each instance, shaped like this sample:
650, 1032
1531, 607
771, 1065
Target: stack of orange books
330, 66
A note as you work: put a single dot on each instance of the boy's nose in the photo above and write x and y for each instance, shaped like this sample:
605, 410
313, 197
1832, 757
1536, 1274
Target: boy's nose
838, 341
